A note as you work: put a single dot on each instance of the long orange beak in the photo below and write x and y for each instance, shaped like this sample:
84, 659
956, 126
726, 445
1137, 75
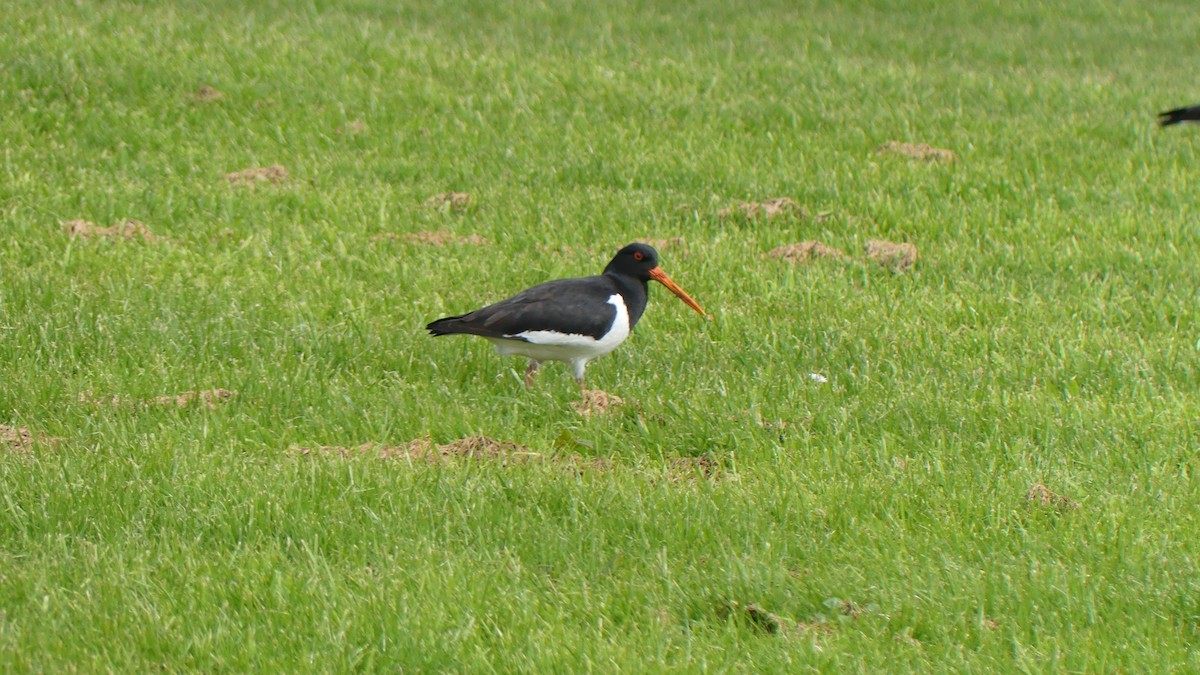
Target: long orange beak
661, 277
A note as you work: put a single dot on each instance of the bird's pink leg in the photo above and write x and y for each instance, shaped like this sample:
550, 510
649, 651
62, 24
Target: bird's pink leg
578, 365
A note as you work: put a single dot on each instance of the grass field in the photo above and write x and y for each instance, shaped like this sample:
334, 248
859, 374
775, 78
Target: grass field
733, 513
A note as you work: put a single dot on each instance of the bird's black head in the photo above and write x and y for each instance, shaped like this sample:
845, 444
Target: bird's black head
635, 260
640, 262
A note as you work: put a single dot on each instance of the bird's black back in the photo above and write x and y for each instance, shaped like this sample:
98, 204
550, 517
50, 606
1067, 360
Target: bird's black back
569, 306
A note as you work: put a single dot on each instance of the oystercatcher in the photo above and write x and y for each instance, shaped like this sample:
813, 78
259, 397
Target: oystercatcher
1188, 114
570, 320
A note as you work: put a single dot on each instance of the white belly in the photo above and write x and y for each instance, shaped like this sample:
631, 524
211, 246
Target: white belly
546, 345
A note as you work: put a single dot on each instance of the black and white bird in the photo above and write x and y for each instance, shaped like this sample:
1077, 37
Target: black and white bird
1188, 114
570, 320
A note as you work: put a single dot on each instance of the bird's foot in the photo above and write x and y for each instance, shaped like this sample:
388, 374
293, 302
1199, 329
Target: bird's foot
530, 371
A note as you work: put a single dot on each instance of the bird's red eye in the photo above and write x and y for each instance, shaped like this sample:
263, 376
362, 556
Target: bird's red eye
637, 255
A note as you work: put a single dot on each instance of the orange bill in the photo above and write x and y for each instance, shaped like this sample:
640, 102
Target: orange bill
661, 277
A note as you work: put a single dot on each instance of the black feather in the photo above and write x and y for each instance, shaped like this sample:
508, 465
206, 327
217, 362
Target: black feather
578, 306
1188, 114
570, 306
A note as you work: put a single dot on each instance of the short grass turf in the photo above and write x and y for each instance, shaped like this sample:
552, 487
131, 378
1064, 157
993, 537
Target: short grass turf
735, 513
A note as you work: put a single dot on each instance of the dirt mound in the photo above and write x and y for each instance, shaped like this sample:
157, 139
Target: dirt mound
596, 402
482, 447
126, 229
896, 257
20, 439
424, 449
752, 614
450, 201
416, 448
681, 469
485, 449
1043, 496
921, 151
438, 238
805, 251
756, 617
274, 175
209, 397
205, 94
17, 439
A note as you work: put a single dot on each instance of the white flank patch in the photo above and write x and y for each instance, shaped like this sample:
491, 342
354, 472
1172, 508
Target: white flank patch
548, 345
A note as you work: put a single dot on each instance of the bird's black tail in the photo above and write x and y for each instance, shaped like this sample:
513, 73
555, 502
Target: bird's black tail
446, 326
1189, 114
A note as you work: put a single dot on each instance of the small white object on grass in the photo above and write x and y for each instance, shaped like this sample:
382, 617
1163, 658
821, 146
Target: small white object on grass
817, 377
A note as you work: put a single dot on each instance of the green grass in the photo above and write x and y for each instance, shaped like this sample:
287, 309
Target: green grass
1048, 335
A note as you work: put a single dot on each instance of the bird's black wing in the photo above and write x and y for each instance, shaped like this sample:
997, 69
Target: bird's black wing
1188, 114
574, 306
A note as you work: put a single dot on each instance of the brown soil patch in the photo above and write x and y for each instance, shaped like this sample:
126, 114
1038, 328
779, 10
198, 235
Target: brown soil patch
356, 127
126, 229
848, 608
596, 402
896, 257
20, 439
582, 464
424, 449
752, 614
479, 448
17, 439
450, 201
1043, 496
485, 449
685, 468
805, 251
274, 174
810, 627
113, 400
206, 94
758, 618
762, 619
209, 398
921, 151
767, 209
416, 448
482, 447
438, 238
